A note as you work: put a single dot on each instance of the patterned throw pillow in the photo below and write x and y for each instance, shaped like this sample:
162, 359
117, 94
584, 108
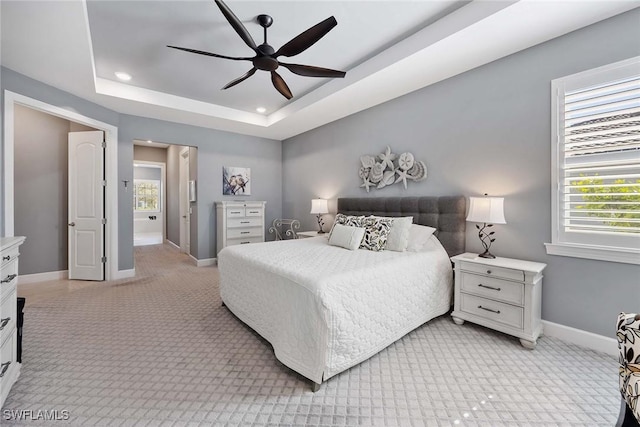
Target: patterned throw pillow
377, 232
376, 229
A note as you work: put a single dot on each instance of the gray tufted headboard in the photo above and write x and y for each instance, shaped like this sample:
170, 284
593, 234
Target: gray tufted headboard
444, 213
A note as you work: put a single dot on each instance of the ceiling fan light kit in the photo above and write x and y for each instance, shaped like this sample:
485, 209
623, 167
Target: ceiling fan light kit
266, 58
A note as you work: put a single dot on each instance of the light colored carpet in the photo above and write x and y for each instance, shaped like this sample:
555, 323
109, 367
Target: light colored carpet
160, 350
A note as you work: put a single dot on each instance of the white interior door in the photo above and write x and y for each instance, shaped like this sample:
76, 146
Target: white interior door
185, 226
86, 205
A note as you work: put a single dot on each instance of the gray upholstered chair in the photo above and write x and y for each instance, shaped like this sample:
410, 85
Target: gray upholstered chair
629, 345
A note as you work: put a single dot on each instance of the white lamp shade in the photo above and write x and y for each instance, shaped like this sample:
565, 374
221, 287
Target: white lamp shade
319, 206
486, 209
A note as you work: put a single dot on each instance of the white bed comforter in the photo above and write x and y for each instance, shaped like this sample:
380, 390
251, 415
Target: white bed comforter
324, 308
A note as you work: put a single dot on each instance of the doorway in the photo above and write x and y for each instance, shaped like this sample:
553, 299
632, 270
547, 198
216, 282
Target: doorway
11, 101
149, 202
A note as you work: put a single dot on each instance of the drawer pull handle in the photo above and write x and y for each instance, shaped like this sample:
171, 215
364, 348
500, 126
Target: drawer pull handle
9, 278
488, 309
4, 322
489, 287
253, 211
5, 366
244, 222
6, 258
245, 232
488, 271
244, 243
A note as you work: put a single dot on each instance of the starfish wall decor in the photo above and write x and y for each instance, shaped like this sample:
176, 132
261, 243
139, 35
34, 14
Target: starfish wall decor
387, 168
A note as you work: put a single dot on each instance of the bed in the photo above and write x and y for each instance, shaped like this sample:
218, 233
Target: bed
325, 309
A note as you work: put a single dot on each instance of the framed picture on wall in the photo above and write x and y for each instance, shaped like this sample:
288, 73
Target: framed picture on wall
236, 181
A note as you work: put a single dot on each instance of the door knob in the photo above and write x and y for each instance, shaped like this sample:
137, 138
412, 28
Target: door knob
72, 224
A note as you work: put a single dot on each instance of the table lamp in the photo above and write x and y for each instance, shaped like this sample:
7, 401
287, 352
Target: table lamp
488, 211
319, 207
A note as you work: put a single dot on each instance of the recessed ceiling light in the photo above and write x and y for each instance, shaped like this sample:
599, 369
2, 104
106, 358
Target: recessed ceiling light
261, 110
123, 76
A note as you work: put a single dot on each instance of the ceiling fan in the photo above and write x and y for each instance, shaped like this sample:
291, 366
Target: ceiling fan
266, 58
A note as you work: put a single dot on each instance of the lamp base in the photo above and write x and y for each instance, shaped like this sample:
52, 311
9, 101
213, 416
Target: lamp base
321, 232
487, 254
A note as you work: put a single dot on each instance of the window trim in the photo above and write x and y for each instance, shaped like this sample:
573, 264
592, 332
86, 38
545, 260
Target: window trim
559, 244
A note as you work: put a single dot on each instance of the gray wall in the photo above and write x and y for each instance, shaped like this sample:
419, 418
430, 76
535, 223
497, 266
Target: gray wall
150, 154
173, 188
215, 149
40, 190
487, 130
142, 172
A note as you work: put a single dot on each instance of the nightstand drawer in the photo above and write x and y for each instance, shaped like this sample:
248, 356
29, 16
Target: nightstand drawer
234, 233
9, 279
488, 270
493, 288
493, 310
7, 357
244, 222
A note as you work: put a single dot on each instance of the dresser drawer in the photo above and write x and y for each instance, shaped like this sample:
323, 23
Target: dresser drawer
493, 288
500, 272
8, 258
8, 310
244, 240
244, 222
235, 212
249, 211
7, 356
493, 310
234, 233
8, 280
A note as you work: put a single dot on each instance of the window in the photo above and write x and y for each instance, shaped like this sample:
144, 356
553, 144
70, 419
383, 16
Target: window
596, 164
146, 195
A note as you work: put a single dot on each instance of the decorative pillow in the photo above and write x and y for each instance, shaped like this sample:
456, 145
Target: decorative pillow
398, 238
377, 232
419, 236
350, 220
346, 236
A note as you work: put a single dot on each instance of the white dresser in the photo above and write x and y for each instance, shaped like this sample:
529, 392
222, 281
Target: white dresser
239, 223
9, 366
503, 294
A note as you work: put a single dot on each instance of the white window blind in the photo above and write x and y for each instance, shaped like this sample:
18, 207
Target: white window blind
597, 162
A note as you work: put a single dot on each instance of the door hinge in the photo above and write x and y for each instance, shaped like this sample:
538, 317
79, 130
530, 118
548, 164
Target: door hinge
104, 182
104, 220
104, 144
104, 259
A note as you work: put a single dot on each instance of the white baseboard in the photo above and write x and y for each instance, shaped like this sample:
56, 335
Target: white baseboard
171, 243
43, 277
203, 262
582, 338
124, 274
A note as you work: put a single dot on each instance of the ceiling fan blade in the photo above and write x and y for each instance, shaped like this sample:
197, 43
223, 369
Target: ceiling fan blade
311, 71
303, 41
279, 84
202, 52
244, 77
236, 24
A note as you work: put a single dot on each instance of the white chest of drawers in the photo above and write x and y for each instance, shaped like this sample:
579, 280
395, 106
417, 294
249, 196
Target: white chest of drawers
503, 294
239, 223
9, 366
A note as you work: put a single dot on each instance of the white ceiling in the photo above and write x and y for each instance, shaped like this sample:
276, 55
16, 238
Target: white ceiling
388, 48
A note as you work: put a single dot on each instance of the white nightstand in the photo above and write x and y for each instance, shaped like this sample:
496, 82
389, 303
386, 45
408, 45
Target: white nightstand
305, 234
503, 294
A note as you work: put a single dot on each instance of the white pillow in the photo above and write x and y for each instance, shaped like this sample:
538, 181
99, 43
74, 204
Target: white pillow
399, 235
346, 236
419, 236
